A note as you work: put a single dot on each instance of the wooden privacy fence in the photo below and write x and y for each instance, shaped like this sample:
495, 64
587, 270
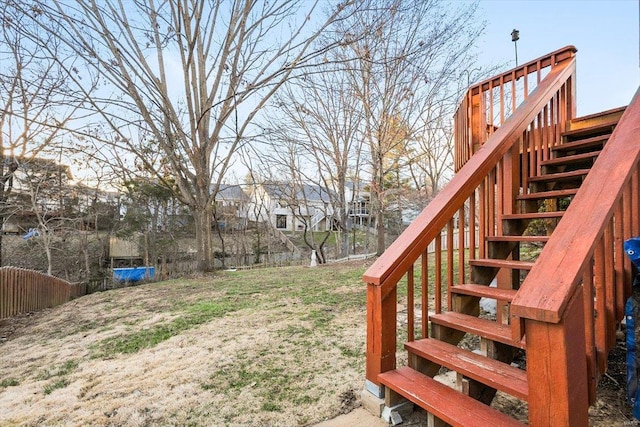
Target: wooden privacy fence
22, 291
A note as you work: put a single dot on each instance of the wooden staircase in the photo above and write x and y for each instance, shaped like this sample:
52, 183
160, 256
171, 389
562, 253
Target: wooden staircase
548, 196
534, 219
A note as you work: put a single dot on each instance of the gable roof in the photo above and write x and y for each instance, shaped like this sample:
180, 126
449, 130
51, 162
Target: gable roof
289, 191
229, 192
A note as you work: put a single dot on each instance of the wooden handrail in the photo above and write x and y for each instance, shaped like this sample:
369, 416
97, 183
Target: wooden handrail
406, 249
537, 64
486, 104
549, 286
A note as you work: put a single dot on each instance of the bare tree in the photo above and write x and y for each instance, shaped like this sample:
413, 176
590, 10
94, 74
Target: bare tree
432, 163
302, 204
37, 102
406, 66
44, 191
321, 116
194, 75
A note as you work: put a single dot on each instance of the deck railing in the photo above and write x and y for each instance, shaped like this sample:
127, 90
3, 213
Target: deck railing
487, 104
474, 197
23, 291
573, 298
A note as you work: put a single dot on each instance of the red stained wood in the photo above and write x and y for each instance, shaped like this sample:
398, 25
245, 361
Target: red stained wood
405, 250
459, 410
381, 333
534, 215
561, 176
491, 372
548, 194
477, 326
545, 293
557, 370
502, 263
591, 129
528, 239
484, 291
565, 160
589, 332
596, 141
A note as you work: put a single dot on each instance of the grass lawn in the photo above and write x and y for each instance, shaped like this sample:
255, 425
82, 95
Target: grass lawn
260, 347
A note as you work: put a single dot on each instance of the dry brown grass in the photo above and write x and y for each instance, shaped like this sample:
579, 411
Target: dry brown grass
278, 347
274, 347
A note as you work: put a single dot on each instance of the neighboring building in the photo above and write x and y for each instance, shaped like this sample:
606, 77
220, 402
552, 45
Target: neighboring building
231, 207
42, 186
359, 199
288, 207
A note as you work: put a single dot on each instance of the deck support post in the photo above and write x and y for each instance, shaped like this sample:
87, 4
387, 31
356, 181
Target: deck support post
557, 369
381, 333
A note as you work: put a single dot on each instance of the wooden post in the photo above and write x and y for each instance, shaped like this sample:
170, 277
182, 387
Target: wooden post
478, 121
381, 333
557, 369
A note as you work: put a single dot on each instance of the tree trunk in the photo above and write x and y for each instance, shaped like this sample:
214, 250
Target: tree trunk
203, 216
380, 229
344, 233
47, 248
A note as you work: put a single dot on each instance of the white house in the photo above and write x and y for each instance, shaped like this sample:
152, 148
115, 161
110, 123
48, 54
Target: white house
291, 207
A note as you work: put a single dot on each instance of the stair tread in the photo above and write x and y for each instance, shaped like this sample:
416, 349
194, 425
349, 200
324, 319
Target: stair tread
557, 161
584, 143
484, 291
501, 263
477, 326
527, 239
548, 194
601, 127
491, 372
442, 401
560, 176
534, 215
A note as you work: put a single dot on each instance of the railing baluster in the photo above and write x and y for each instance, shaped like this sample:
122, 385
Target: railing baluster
491, 213
424, 281
461, 244
438, 275
410, 305
472, 225
491, 103
618, 237
635, 201
626, 225
502, 101
482, 217
526, 82
500, 186
589, 331
514, 92
601, 305
450, 269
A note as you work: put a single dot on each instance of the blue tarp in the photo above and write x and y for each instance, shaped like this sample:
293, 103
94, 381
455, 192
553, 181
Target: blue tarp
133, 274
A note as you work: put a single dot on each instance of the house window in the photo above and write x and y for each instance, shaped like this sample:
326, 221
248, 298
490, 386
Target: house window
281, 221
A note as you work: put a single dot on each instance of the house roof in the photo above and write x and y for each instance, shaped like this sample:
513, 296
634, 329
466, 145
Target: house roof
230, 192
39, 164
290, 191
